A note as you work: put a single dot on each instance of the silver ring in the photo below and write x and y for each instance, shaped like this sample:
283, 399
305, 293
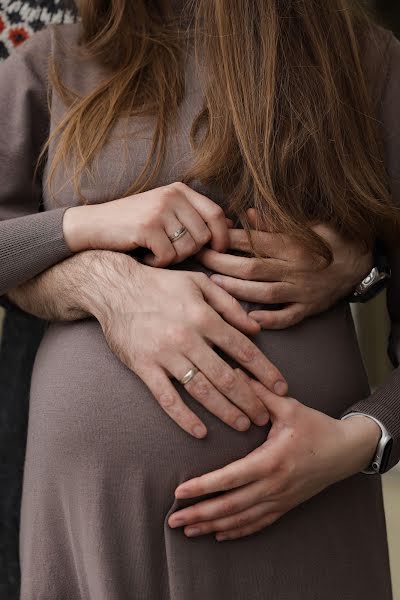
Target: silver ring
178, 234
189, 375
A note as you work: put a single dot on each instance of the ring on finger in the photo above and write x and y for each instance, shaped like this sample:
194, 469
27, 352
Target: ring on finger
177, 234
189, 375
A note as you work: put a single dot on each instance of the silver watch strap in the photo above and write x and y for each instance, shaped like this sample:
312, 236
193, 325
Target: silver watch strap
369, 281
375, 466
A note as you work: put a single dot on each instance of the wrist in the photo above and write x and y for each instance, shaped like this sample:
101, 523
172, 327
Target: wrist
77, 225
361, 438
358, 271
105, 277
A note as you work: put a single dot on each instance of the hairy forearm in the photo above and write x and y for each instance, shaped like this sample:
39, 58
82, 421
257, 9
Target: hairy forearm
76, 288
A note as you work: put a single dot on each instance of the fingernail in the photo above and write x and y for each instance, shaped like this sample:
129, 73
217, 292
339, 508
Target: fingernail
220, 537
242, 423
262, 419
199, 431
192, 532
280, 388
176, 523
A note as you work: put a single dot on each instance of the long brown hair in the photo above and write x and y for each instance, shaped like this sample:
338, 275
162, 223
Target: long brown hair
287, 125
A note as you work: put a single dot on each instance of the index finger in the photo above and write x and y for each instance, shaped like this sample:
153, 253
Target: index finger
212, 214
273, 245
242, 471
246, 353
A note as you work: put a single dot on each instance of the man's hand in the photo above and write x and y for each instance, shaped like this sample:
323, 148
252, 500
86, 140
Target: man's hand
305, 452
161, 323
290, 275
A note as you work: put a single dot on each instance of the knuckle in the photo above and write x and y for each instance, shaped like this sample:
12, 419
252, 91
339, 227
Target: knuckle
271, 519
250, 269
201, 387
229, 482
196, 514
228, 507
178, 186
153, 221
204, 237
226, 381
274, 470
201, 279
247, 352
278, 486
242, 521
167, 400
179, 334
216, 212
293, 317
290, 409
166, 196
278, 483
201, 316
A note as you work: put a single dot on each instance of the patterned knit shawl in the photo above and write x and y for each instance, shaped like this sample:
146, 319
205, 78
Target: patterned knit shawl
19, 19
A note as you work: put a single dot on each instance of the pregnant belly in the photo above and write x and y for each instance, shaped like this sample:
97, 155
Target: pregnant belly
87, 406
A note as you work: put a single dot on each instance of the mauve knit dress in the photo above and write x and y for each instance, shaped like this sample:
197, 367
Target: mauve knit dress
103, 460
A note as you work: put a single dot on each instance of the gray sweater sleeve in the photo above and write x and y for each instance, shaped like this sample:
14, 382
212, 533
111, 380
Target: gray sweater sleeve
30, 241
384, 403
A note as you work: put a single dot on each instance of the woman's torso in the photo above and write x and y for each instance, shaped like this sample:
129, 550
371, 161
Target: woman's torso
319, 357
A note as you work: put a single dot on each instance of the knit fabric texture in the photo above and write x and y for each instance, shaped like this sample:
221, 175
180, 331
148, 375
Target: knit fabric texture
19, 20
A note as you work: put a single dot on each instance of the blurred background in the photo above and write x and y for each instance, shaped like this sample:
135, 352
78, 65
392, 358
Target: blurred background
21, 334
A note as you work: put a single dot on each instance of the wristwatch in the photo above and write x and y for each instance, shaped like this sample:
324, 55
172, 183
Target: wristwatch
381, 458
376, 280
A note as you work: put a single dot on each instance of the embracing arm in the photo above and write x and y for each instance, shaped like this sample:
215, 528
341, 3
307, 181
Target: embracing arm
30, 241
384, 403
72, 289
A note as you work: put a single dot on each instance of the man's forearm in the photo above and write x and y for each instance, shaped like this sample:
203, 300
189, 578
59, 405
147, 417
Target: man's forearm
77, 288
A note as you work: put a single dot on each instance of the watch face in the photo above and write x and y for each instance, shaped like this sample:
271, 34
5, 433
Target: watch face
386, 456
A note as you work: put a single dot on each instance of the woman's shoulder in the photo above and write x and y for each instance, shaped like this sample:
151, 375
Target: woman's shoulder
34, 54
61, 44
46, 41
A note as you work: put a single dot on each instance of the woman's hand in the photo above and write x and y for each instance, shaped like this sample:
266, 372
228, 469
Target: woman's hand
162, 323
147, 220
290, 275
305, 452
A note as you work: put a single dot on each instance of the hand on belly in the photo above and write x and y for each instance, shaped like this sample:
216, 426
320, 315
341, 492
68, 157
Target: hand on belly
163, 323
305, 452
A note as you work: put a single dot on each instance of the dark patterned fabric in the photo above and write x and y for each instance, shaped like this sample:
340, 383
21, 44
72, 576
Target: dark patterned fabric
19, 20
21, 332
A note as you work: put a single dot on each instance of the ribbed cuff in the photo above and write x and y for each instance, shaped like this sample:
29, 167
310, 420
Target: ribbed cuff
30, 245
384, 405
